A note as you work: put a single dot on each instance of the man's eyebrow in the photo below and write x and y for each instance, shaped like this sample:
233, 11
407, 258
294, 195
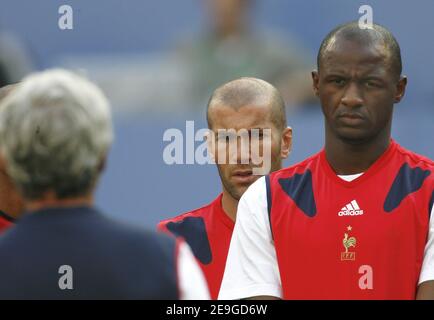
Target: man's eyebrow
259, 128
335, 74
372, 71
372, 77
334, 69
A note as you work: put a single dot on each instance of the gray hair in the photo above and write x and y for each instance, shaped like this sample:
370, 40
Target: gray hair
55, 131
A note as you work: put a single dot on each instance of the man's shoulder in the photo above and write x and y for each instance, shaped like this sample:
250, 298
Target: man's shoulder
120, 231
201, 212
130, 239
415, 159
260, 190
87, 227
298, 168
193, 227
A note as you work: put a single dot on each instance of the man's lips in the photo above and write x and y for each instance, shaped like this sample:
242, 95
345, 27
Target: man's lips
245, 172
351, 115
351, 118
243, 176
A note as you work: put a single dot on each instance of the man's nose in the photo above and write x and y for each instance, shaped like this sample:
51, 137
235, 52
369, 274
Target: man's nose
243, 149
352, 97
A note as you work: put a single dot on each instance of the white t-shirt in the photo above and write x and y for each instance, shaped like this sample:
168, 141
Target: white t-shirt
252, 268
192, 283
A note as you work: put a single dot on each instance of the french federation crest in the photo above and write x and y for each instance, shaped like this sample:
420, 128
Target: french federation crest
348, 242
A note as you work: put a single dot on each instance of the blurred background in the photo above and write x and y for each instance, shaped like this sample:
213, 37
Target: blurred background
159, 61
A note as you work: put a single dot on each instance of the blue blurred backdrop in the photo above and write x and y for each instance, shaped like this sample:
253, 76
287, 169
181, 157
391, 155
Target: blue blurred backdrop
137, 185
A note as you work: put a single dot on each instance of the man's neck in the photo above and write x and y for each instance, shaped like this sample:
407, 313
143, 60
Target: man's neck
346, 158
229, 205
50, 201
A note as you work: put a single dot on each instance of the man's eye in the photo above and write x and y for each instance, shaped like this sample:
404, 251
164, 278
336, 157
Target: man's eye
226, 138
371, 84
338, 82
259, 134
256, 134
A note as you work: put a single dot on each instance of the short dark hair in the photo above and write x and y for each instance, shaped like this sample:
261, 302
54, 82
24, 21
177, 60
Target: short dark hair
245, 91
352, 31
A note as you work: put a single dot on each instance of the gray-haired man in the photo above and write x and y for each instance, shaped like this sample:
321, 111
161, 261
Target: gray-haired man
56, 130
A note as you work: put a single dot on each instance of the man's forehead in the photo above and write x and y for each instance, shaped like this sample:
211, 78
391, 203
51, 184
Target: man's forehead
343, 53
249, 116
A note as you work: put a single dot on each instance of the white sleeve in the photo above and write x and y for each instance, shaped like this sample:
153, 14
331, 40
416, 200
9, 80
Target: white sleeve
192, 283
427, 273
251, 267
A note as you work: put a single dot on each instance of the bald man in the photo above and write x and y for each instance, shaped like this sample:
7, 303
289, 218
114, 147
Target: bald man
241, 105
11, 204
354, 221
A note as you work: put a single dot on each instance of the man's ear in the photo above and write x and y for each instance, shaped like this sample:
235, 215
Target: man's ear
286, 143
315, 82
400, 89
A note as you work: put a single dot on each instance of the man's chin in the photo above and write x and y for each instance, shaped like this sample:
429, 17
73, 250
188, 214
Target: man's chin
236, 188
236, 192
353, 137
241, 188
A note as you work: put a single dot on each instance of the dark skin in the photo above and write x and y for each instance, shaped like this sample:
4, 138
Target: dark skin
358, 86
425, 291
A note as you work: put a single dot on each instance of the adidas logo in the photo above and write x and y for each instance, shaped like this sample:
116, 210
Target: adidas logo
351, 209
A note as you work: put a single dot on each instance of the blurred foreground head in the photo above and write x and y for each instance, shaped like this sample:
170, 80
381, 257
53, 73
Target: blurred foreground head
55, 129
